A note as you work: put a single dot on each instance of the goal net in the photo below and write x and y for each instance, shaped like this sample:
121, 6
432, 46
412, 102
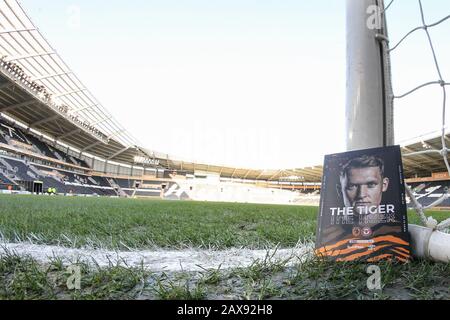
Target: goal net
416, 51
397, 83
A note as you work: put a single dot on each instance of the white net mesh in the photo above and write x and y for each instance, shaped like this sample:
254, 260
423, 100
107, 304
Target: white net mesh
436, 80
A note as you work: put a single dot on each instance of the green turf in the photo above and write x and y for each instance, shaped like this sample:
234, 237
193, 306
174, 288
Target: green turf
21, 277
122, 223
131, 223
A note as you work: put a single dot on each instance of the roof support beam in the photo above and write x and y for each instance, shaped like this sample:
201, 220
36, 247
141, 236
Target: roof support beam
412, 163
49, 76
91, 146
5, 86
423, 156
447, 138
119, 153
101, 121
16, 31
312, 171
115, 134
12, 59
260, 175
68, 134
38, 123
15, 106
278, 172
84, 108
298, 176
69, 93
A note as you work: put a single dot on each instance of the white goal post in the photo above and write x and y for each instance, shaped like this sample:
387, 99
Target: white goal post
369, 105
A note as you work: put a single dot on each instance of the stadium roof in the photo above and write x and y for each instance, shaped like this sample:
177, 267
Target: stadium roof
39, 89
422, 156
65, 109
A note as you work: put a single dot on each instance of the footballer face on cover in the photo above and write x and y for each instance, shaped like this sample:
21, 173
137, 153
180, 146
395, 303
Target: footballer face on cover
363, 212
362, 183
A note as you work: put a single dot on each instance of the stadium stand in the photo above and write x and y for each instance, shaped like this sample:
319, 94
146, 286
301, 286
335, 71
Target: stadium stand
70, 175
16, 137
4, 180
16, 169
2, 136
42, 131
65, 182
126, 184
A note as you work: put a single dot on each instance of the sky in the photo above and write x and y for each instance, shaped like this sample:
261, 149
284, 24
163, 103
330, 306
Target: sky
255, 84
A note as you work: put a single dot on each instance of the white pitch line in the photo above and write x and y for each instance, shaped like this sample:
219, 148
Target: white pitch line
158, 260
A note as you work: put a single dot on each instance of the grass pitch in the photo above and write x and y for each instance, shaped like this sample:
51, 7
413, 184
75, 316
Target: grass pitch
122, 224
23, 278
131, 223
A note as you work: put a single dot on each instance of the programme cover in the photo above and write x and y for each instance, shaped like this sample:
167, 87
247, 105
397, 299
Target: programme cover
362, 207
